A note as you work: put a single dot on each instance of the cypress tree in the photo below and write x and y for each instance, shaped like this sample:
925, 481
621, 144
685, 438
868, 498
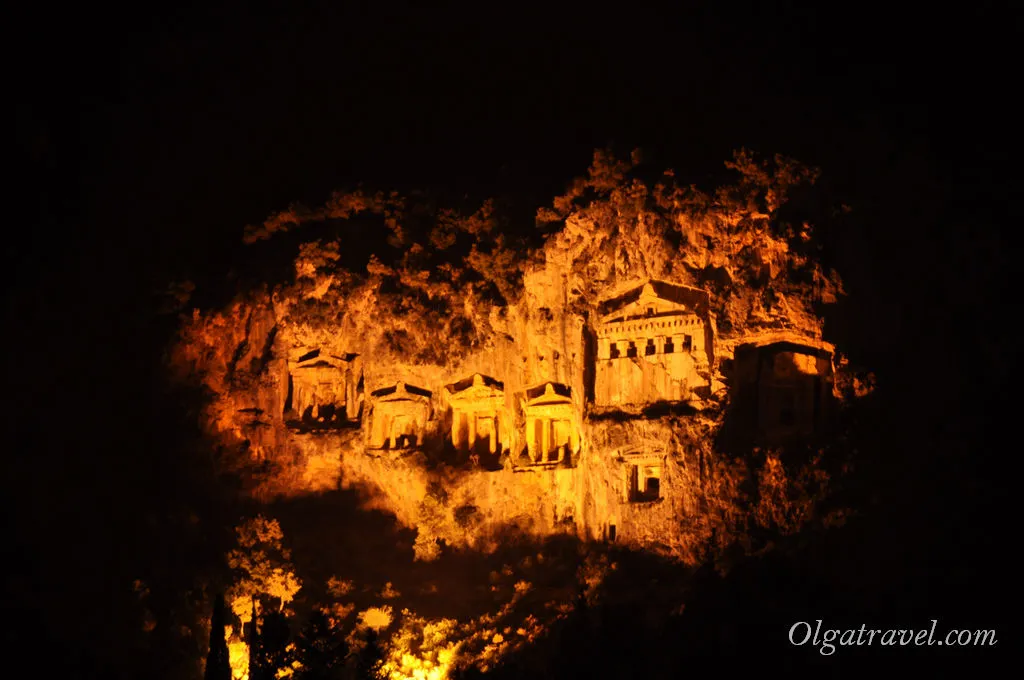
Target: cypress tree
218, 665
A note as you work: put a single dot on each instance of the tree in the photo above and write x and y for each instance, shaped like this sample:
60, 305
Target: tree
265, 575
370, 657
270, 648
320, 650
265, 582
218, 666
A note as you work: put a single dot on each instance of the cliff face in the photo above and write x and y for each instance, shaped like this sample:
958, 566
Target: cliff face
472, 386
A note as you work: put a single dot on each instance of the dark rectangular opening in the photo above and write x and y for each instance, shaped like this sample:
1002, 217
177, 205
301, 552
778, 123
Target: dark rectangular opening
653, 490
650, 349
631, 350
650, 491
669, 347
787, 405
687, 343
787, 409
615, 350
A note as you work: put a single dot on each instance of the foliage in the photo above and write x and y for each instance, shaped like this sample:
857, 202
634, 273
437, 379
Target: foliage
421, 649
369, 658
449, 283
376, 618
263, 568
321, 650
271, 652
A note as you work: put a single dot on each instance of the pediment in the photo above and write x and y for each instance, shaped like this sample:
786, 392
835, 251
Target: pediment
476, 387
548, 393
653, 299
646, 308
401, 392
641, 455
319, 359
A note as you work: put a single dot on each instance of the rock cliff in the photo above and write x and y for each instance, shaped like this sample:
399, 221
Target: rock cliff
647, 368
631, 312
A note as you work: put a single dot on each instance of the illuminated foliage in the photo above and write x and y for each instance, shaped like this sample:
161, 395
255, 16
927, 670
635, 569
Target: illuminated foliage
421, 649
264, 568
376, 618
448, 292
238, 654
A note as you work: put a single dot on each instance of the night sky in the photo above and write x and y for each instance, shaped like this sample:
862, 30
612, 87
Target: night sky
144, 143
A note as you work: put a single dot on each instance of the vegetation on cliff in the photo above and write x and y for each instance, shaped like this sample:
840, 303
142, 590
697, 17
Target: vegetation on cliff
449, 292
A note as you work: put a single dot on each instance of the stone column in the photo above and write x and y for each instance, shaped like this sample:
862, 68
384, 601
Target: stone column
350, 395
456, 417
531, 437
494, 433
603, 349
472, 430
545, 437
377, 428
700, 353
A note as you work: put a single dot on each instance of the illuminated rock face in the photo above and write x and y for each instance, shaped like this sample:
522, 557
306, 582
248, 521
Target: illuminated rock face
399, 417
324, 388
551, 434
478, 416
653, 344
590, 383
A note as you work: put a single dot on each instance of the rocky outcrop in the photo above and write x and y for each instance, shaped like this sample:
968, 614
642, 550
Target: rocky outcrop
611, 357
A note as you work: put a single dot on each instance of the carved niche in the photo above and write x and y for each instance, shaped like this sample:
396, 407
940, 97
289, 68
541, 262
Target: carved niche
478, 406
794, 383
551, 435
653, 344
784, 388
324, 388
399, 417
641, 473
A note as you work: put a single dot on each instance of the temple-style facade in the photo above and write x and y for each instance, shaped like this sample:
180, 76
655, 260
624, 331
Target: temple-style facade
551, 433
641, 474
399, 417
478, 415
653, 344
324, 388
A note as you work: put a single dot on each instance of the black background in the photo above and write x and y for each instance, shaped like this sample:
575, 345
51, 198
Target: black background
144, 140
